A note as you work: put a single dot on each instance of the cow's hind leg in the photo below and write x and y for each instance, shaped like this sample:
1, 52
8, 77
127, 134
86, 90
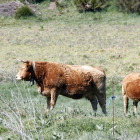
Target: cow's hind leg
101, 94
48, 103
135, 103
102, 101
93, 101
126, 102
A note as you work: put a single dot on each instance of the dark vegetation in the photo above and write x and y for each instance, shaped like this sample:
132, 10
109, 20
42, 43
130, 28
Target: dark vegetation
90, 5
24, 12
132, 6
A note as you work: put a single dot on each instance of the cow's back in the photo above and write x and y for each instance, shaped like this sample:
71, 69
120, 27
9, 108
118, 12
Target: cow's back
76, 76
83, 79
86, 73
131, 86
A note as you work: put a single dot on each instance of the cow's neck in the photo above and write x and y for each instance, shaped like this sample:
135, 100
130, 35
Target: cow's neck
39, 72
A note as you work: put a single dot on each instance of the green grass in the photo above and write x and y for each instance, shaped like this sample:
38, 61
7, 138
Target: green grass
106, 39
71, 119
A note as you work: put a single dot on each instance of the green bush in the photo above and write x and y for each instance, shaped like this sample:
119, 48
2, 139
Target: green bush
112, 6
24, 11
132, 6
33, 1
61, 5
90, 5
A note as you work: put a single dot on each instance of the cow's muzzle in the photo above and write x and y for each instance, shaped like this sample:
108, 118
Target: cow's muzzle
18, 77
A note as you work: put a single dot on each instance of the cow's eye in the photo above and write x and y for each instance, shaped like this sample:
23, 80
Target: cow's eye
23, 68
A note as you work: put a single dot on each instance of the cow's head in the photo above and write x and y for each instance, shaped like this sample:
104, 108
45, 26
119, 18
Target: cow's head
26, 71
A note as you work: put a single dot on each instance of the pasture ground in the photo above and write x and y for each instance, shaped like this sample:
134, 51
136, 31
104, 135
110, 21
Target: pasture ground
107, 39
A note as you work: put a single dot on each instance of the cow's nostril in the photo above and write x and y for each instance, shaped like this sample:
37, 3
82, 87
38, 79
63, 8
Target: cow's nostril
16, 76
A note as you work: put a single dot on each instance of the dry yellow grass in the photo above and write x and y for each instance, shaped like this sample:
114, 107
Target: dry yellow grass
113, 44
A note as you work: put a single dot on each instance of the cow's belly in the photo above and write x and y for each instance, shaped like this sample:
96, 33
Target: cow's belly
44, 91
134, 95
75, 93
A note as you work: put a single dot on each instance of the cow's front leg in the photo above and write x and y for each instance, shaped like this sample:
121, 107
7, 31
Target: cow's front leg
48, 103
54, 96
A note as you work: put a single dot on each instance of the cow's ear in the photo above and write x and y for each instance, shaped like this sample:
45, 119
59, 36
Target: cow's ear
25, 61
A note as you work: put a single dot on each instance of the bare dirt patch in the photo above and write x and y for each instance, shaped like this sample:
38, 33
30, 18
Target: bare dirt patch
53, 5
10, 8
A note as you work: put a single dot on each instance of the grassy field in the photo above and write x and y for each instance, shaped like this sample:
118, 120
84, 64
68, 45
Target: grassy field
106, 39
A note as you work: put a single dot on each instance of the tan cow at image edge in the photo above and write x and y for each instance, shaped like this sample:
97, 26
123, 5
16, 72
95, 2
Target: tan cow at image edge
131, 89
72, 81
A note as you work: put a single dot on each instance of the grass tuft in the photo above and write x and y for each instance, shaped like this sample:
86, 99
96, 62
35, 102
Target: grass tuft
23, 12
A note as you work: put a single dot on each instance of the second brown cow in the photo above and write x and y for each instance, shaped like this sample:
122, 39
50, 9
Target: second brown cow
72, 81
131, 90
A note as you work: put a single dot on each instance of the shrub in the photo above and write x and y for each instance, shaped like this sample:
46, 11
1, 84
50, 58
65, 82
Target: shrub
33, 1
112, 5
132, 6
61, 5
90, 5
24, 11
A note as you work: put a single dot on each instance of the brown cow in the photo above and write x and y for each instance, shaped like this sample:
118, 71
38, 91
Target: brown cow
72, 81
131, 89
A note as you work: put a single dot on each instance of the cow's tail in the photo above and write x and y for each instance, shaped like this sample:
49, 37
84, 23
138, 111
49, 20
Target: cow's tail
123, 91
